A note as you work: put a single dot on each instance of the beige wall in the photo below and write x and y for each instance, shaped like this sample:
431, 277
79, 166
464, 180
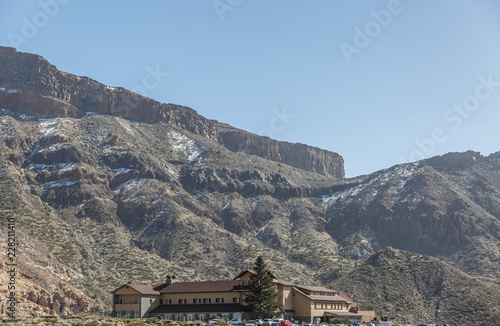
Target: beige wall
245, 277
304, 306
227, 296
301, 305
367, 315
127, 307
156, 301
128, 298
316, 310
285, 298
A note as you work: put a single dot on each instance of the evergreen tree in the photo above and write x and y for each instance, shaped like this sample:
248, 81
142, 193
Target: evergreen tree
262, 300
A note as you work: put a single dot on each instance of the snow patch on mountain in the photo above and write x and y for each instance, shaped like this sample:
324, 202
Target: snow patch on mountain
9, 91
56, 184
52, 167
187, 145
48, 126
366, 188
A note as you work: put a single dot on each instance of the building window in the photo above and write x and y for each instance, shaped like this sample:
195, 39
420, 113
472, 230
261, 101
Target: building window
196, 300
168, 301
205, 300
236, 299
136, 300
182, 301
219, 300
161, 301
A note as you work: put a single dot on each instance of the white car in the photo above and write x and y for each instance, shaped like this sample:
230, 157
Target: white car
235, 321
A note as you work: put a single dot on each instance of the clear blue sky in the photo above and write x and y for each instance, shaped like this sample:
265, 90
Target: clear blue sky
379, 82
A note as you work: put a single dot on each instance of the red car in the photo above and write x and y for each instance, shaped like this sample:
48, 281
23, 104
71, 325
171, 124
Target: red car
286, 323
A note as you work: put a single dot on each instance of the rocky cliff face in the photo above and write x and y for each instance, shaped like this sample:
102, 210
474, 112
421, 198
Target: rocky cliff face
33, 87
30, 87
298, 155
111, 199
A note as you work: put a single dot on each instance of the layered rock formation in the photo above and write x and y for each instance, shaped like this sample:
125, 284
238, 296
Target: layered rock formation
299, 155
30, 87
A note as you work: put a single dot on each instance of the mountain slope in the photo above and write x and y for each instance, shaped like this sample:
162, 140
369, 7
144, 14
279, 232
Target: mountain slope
447, 206
30, 87
412, 288
120, 188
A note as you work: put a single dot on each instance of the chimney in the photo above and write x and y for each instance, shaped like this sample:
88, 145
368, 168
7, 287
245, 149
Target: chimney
170, 279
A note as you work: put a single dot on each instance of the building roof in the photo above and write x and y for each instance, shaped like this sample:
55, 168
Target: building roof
251, 271
141, 288
306, 288
342, 314
198, 308
203, 286
337, 298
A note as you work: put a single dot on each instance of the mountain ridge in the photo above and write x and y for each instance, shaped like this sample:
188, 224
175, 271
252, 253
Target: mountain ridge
123, 200
43, 86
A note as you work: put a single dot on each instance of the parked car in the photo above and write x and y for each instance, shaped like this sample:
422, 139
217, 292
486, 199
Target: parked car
235, 321
267, 322
212, 321
285, 323
276, 322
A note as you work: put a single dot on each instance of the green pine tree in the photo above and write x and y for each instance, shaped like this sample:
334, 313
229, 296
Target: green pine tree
262, 300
